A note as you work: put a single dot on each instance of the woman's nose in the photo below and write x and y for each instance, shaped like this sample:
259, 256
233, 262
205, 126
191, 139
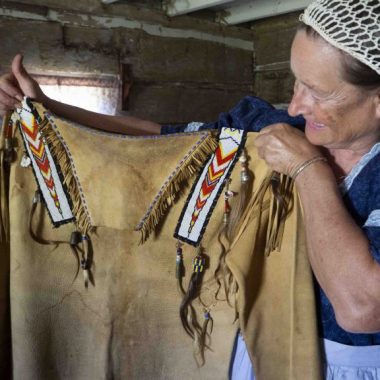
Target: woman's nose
299, 103
293, 106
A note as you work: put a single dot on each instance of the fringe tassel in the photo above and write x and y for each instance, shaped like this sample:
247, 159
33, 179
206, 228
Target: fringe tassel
3, 198
253, 208
222, 274
179, 267
82, 218
187, 168
280, 206
204, 340
246, 181
201, 335
37, 200
76, 239
58, 150
82, 249
187, 312
85, 262
7, 156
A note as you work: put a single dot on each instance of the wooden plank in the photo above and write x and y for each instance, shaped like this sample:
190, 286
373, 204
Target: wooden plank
180, 7
258, 9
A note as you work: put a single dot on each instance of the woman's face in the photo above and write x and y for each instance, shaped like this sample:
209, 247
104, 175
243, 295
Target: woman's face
338, 114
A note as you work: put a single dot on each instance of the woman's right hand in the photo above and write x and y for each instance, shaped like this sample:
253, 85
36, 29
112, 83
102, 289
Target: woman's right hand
17, 84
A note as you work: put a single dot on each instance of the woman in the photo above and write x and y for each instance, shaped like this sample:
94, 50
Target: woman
335, 58
336, 167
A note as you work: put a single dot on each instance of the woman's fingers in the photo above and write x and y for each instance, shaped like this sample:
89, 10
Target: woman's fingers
8, 85
26, 83
21, 76
7, 102
18, 69
10, 94
16, 84
283, 147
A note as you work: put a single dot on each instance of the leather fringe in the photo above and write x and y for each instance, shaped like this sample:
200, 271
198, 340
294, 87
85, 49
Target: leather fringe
79, 244
61, 156
280, 204
202, 342
5, 160
223, 275
191, 164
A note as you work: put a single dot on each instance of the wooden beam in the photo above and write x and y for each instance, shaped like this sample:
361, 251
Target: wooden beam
109, 1
180, 7
258, 9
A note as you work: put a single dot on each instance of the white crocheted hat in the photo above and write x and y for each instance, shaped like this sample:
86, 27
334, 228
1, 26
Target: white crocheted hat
350, 25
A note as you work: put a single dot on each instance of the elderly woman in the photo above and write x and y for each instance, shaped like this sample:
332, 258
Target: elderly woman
335, 59
335, 163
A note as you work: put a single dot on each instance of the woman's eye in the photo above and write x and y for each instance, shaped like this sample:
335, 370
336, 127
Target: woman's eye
318, 97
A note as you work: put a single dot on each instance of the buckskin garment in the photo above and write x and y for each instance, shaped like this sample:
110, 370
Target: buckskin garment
127, 325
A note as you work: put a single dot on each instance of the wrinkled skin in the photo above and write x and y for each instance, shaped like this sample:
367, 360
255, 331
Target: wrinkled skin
340, 117
284, 148
342, 124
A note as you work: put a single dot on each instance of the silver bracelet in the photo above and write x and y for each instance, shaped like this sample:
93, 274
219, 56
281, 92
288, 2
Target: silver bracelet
304, 165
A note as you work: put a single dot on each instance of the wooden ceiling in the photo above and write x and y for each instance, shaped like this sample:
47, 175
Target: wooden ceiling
230, 12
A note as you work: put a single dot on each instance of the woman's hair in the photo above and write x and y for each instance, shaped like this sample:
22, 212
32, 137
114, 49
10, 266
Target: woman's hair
353, 71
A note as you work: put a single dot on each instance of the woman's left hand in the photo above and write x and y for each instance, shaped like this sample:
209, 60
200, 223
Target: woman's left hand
284, 148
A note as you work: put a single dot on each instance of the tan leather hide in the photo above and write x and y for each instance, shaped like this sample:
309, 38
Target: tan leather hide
127, 326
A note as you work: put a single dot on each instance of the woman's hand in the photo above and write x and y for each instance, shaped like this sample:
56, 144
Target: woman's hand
17, 84
284, 148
